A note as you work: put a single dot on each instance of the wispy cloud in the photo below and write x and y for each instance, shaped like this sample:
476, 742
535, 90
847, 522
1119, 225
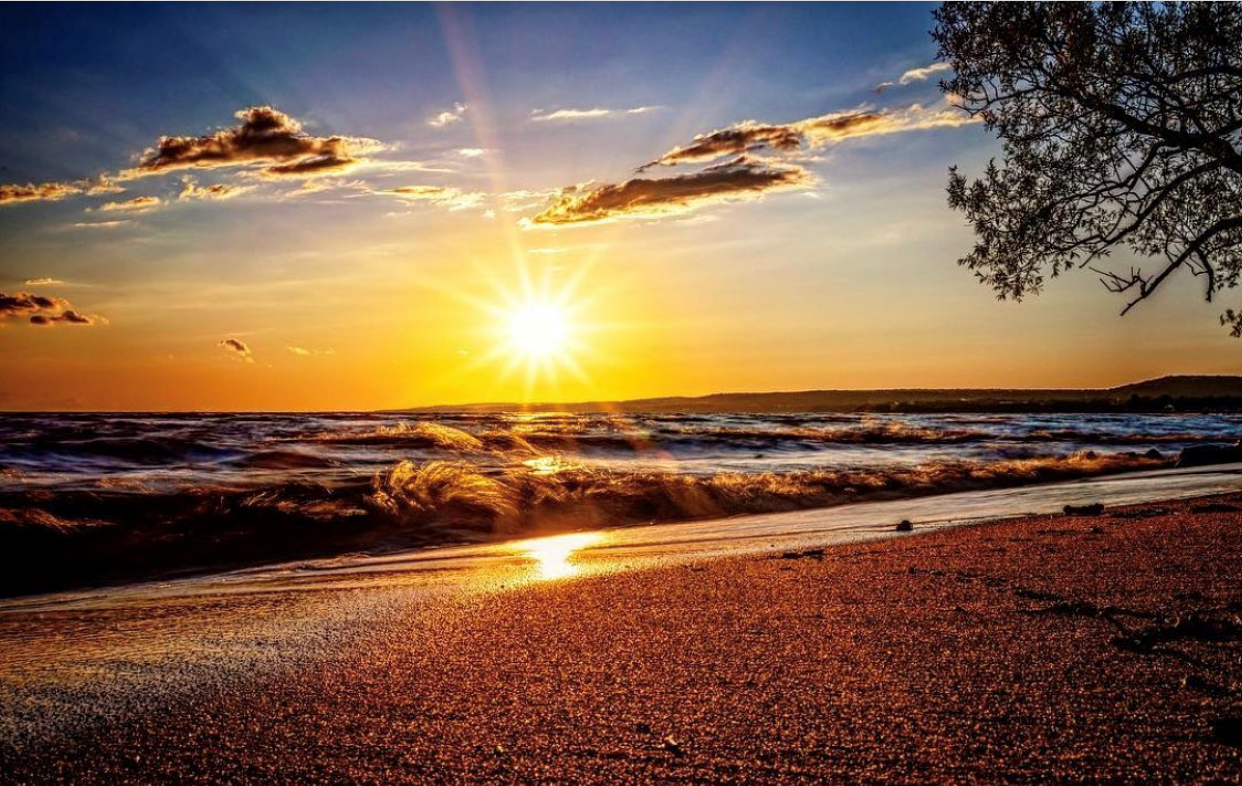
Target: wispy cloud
237, 348
449, 116
915, 75
644, 198
38, 282
470, 152
191, 190
101, 224
442, 196
136, 205
809, 134
596, 113
303, 352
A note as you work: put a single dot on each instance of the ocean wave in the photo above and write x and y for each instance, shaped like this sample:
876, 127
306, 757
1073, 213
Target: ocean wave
108, 529
522, 499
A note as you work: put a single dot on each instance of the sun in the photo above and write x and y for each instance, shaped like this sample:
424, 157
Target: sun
542, 325
538, 330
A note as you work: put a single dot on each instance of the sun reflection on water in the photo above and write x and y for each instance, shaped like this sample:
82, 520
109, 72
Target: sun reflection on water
552, 554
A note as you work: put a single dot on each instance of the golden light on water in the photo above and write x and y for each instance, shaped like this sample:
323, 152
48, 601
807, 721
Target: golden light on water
552, 555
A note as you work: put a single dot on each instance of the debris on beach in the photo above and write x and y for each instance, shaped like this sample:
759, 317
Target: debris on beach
1092, 509
905, 525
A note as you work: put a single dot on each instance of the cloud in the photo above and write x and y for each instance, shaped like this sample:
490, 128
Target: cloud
815, 132
136, 205
528, 199
470, 152
739, 178
37, 282
37, 192
266, 136
67, 317
237, 347
101, 224
41, 310
23, 303
597, 113
101, 185
448, 116
303, 352
919, 74
191, 190
442, 196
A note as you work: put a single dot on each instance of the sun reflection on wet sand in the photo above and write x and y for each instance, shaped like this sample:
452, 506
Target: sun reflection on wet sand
552, 554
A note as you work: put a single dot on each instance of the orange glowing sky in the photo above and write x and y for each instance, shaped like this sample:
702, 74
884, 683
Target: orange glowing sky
510, 203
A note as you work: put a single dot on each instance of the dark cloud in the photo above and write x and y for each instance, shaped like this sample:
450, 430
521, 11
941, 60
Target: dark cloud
67, 317
237, 347
22, 303
41, 310
265, 136
740, 178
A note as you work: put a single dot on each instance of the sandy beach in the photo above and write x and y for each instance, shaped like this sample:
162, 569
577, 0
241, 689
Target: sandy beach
1058, 647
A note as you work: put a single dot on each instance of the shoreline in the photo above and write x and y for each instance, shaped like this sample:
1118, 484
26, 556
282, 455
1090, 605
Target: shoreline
44, 556
1046, 647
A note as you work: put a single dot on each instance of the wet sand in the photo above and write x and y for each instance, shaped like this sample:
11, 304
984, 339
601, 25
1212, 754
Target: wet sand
1045, 648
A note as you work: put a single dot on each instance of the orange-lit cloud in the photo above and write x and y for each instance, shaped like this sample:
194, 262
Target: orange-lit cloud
66, 317
596, 113
136, 205
440, 196
36, 192
100, 185
191, 190
36, 282
41, 310
237, 347
740, 178
265, 135
750, 137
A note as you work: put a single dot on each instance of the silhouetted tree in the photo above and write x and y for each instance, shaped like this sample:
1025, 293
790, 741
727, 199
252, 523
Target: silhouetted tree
1121, 126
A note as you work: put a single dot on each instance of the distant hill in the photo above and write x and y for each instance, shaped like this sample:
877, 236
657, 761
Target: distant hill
1177, 393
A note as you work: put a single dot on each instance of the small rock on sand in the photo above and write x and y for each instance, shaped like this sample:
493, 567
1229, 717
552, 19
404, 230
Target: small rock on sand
1228, 731
905, 525
1093, 509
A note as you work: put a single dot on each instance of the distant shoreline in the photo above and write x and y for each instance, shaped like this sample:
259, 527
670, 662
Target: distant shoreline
1172, 394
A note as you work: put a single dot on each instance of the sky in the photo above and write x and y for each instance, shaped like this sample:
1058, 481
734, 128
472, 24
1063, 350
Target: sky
353, 206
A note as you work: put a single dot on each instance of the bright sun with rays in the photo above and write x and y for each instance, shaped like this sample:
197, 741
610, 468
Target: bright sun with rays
538, 330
